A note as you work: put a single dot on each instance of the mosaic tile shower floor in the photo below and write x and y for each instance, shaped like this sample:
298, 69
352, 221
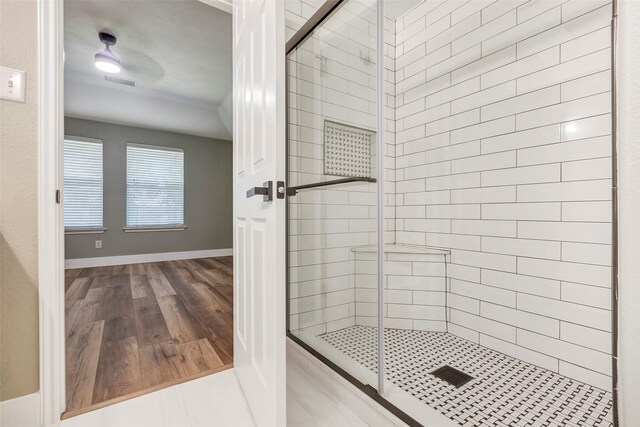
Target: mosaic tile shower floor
504, 392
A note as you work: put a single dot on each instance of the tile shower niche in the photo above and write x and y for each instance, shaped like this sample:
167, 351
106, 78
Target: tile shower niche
348, 150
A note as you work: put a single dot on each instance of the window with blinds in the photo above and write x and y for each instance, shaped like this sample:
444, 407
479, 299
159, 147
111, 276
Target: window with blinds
83, 184
155, 186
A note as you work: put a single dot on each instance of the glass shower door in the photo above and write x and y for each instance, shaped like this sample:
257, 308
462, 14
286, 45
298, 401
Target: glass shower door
482, 296
332, 197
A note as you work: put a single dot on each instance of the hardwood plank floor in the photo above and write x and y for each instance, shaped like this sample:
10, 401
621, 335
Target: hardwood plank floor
82, 367
141, 327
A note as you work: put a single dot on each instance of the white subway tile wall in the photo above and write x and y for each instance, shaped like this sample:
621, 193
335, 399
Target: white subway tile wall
414, 288
497, 148
503, 156
332, 76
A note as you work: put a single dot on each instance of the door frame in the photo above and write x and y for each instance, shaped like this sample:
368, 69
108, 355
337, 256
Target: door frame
50, 217
51, 306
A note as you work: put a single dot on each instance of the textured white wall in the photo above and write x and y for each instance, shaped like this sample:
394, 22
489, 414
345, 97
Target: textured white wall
628, 75
18, 206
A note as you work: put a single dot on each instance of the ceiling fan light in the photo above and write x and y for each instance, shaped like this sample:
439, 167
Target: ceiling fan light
107, 61
107, 67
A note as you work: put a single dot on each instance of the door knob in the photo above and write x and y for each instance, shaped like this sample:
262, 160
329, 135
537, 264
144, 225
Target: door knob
266, 191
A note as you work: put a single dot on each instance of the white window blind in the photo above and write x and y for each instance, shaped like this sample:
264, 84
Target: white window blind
83, 183
155, 186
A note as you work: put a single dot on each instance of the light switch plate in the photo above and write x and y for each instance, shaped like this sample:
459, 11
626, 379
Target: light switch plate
12, 84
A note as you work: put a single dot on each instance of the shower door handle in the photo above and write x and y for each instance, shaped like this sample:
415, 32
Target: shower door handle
266, 191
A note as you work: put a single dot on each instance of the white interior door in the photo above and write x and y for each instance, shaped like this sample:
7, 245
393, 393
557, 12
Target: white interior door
259, 225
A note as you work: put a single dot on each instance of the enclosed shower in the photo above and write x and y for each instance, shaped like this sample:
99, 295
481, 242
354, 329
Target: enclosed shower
449, 205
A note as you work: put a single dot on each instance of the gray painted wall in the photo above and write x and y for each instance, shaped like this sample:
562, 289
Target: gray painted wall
207, 199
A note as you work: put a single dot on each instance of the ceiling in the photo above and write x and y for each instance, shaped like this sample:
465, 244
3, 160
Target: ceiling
393, 9
177, 52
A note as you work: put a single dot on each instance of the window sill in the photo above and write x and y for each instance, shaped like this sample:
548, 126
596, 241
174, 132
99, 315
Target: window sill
154, 228
85, 230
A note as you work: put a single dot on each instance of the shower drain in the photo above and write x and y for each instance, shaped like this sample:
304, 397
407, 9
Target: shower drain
451, 375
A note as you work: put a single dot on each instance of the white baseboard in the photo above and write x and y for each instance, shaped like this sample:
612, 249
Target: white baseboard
21, 412
137, 259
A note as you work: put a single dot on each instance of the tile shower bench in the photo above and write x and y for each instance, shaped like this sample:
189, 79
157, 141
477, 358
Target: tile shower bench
415, 287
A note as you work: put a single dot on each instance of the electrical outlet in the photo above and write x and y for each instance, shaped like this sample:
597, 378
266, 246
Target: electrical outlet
98, 244
12, 84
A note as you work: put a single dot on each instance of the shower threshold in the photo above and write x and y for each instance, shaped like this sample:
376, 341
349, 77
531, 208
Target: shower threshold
504, 391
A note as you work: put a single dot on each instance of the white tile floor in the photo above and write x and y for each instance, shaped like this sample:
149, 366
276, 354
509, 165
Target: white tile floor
212, 401
310, 406
217, 401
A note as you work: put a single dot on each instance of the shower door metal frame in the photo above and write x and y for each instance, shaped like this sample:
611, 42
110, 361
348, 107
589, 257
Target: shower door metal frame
324, 12
614, 217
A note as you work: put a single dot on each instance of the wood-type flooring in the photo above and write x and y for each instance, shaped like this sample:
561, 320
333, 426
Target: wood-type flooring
132, 329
